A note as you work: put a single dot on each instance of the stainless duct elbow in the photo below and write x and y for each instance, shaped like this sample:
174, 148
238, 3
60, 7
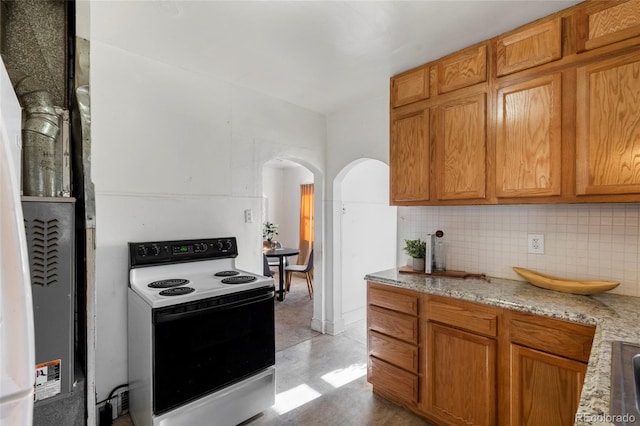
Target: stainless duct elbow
39, 134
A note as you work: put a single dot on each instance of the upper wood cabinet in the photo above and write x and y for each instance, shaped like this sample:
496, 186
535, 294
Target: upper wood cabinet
529, 138
409, 157
546, 113
411, 86
608, 129
460, 142
462, 69
602, 23
530, 46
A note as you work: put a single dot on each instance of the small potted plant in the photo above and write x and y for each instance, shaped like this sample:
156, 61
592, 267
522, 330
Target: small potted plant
417, 249
269, 230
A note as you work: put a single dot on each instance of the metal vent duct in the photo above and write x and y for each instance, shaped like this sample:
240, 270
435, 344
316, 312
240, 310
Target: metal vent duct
39, 133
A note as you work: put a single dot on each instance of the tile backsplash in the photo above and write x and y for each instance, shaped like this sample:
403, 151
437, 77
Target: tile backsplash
581, 241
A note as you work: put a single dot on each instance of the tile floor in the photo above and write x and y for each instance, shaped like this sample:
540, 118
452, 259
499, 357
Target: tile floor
321, 379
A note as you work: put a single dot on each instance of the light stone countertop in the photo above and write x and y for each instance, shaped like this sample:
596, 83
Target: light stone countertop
615, 317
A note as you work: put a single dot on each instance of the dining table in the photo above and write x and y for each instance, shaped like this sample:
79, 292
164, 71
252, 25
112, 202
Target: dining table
281, 254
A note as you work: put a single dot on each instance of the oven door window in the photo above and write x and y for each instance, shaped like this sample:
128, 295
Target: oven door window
203, 346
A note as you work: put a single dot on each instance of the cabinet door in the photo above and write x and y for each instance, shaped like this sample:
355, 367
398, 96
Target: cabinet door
545, 389
462, 69
529, 137
608, 130
606, 22
461, 376
409, 157
528, 47
409, 87
460, 159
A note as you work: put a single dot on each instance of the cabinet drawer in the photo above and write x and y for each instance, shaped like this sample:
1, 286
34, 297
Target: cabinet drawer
464, 315
411, 86
462, 69
528, 47
393, 379
407, 304
400, 354
557, 337
400, 326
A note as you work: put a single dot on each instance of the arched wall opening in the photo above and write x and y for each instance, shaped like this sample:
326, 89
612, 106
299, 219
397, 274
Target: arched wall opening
281, 180
364, 233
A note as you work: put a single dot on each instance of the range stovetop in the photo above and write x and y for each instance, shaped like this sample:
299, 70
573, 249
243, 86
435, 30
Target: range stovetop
173, 272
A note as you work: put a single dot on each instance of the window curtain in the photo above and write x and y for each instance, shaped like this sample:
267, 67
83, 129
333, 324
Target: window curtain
306, 221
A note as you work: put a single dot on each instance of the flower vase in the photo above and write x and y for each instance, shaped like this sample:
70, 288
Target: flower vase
269, 244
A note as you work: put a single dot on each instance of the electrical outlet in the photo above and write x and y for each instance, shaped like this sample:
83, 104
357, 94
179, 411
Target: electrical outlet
122, 403
535, 244
116, 406
248, 216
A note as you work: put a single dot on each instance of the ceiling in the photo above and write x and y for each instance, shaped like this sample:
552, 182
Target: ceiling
321, 55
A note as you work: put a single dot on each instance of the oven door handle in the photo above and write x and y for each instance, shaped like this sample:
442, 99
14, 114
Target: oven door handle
166, 317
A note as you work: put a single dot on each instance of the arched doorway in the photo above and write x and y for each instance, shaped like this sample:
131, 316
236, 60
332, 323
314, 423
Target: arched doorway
365, 230
281, 188
281, 180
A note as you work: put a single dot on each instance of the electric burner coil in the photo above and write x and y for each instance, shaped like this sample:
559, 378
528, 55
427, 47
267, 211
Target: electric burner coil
168, 283
239, 279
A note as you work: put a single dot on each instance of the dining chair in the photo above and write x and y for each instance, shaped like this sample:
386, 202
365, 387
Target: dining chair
266, 269
307, 270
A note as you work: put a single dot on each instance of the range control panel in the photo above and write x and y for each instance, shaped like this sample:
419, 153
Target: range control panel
166, 252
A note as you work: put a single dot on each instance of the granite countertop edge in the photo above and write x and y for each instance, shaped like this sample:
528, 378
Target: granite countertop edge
614, 316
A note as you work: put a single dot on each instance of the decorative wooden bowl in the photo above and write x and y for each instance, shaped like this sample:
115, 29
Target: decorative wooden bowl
567, 286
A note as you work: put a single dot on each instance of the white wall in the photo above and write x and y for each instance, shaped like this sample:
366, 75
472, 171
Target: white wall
176, 155
358, 131
273, 193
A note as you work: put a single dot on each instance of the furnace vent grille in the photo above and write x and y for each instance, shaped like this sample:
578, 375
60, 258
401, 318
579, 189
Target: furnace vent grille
43, 236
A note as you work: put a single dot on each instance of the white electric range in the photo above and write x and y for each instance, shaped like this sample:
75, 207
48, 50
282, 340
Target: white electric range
200, 334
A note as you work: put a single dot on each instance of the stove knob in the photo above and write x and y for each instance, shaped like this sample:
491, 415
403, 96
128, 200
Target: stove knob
224, 245
143, 250
155, 249
203, 247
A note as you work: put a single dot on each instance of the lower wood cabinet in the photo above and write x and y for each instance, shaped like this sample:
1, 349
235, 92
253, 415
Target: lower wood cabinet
455, 362
392, 343
548, 359
460, 359
393, 381
461, 376
545, 388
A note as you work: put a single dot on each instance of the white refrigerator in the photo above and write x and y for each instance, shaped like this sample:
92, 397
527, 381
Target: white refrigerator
17, 347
